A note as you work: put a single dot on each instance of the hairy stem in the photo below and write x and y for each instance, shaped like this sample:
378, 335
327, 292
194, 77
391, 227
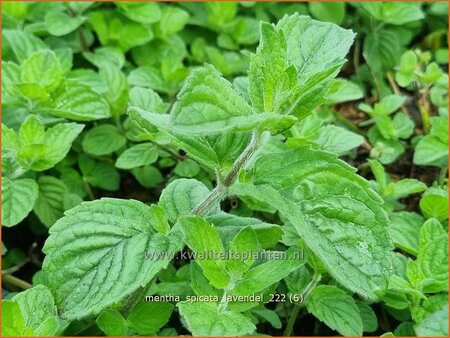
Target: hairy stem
220, 191
291, 321
294, 314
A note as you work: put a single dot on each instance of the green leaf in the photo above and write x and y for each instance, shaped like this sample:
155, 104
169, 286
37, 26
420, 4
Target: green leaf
18, 198
434, 325
432, 149
325, 48
429, 272
22, 44
270, 77
290, 77
99, 174
203, 238
159, 219
368, 317
268, 315
213, 151
60, 23
115, 30
39, 311
105, 55
181, 196
116, 82
103, 140
58, 141
404, 187
147, 99
386, 151
148, 176
31, 131
229, 226
434, 203
141, 12
13, 323
49, 204
187, 168
149, 318
343, 224
96, 254
78, 102
173, 19
112, 323
338, 140
336, 309
208, 104
394, 13
328, 11
42, 68
404, 229
268, 273
343, 90
137, 156
148, 77
219, 13
244, 245
204, 319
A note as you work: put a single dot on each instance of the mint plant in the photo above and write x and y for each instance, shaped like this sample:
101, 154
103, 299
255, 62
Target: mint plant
221, 169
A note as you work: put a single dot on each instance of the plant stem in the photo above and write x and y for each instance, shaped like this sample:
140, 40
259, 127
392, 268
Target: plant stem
292, 318
88, 189
424, 108
396, 90
294, 314
220, 191
442, 175
16, 282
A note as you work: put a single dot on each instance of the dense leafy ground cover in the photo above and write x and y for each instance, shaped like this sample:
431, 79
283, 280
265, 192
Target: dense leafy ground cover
313, 134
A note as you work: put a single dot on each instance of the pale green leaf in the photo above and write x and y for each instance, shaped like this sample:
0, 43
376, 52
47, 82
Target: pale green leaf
144, 12
18, 198
434, 203
49, 204
39, 311
148, 176
42, 68
404, 188
60, 23
96, 254
336, 309
181, 196
328, 11
148, 318
103, 140
270, 272
205, 319
203, 238
99, 174
368, 317
13, 323
22, 44
78, 102
404, 229
229, 225
435, 325
343, 224
31, 131
59, 140
137, 156
112, 323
